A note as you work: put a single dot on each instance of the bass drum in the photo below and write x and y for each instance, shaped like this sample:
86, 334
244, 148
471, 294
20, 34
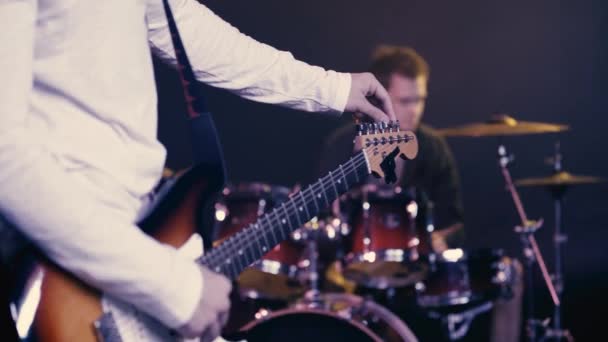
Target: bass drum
334, 317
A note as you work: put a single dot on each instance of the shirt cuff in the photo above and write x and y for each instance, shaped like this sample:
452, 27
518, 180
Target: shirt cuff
343, 84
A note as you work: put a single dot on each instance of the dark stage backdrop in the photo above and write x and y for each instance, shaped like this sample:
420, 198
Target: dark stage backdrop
539, 60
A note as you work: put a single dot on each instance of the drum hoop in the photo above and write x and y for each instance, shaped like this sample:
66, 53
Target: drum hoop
393, 321
293, 311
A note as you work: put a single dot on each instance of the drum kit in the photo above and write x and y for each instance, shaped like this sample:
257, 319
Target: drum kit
306, 287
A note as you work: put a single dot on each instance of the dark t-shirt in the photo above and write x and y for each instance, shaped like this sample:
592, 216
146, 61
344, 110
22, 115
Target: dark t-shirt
433, 173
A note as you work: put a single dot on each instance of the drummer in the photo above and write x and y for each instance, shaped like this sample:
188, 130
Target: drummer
405, 74
434, 173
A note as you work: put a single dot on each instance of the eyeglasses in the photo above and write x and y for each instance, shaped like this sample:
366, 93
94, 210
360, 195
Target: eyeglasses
405, 101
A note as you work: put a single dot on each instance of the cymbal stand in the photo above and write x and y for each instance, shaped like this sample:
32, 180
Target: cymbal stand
312, 297
559, 238
530, 247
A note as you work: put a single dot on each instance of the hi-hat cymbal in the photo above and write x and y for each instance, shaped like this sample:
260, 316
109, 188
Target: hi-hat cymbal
501, 125
562, 178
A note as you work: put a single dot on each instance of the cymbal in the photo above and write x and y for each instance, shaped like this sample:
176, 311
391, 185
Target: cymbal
500, 125
562, 178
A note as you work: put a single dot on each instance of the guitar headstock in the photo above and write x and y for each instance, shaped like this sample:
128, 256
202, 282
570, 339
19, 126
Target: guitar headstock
382, 143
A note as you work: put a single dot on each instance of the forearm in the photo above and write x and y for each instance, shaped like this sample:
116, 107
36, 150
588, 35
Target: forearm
61, 213
452, 236
223, 57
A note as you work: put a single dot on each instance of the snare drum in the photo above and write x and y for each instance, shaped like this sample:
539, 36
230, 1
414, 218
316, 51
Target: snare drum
274, 275
456, 279
335, 317
383, 250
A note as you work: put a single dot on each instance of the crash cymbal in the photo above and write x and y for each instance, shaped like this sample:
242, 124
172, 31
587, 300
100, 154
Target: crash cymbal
500, 125
562, 178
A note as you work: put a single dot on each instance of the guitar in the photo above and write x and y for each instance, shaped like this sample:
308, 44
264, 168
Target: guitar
56, 306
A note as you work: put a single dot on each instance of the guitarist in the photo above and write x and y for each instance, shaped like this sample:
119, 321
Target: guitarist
78, 148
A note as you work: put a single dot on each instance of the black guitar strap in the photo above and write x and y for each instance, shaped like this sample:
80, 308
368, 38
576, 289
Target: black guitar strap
205, 141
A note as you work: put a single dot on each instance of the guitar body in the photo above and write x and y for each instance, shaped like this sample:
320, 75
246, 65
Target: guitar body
49, 304
67, 308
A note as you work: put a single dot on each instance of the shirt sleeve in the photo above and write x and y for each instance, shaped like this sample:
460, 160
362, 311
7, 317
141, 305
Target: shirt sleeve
56, 210
223, 57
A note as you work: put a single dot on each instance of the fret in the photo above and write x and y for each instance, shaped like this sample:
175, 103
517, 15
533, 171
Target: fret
329, 190
333, 183
219, 253
305, 205
343, 181
311, 194
276, 222
356, 174
318, 195
248, 247
253, 233
213, 259
356, 165
287, 218
324, 190
238, 245
231, 267
251, 248
240, 255
266, 247
298, 218
285, 228
275, 241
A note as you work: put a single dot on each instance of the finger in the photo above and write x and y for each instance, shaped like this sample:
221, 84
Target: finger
373, 111
221, 285
359, 117
224, 317
211, 333
223, 303
385, 100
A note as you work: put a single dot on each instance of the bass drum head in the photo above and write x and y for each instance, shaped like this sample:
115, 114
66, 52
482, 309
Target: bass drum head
338, 317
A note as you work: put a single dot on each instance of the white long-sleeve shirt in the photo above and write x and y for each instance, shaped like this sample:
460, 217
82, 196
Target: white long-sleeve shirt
78, 146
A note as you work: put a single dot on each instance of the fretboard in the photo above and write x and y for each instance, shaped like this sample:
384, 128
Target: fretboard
248, 245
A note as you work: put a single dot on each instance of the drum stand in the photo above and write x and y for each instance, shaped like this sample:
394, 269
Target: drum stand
559, 238
457, 325
532, 254
312, 297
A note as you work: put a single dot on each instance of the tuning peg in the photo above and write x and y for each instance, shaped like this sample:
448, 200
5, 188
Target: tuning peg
383, 127
397, 125
389, 126
370, 128
366, 128
359, 128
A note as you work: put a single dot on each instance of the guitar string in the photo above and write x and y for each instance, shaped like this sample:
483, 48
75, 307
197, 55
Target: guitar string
241, 239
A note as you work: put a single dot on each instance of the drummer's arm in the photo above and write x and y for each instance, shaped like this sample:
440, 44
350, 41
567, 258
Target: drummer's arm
447, 197
449, 237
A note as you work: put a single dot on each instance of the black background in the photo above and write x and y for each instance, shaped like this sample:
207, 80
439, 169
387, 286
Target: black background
537, 60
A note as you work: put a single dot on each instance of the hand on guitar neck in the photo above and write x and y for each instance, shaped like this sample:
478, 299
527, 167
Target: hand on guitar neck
211, 313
